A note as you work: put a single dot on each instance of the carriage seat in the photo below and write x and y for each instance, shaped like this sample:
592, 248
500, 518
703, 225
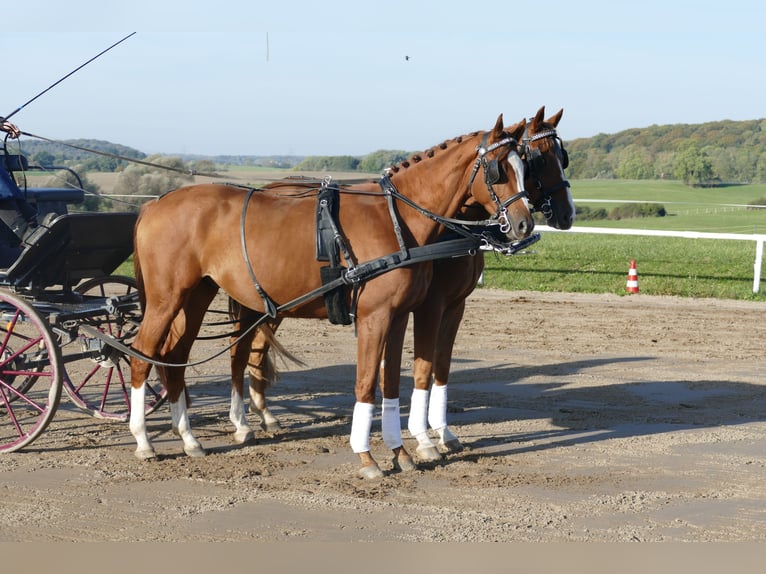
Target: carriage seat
45, 199
71, 247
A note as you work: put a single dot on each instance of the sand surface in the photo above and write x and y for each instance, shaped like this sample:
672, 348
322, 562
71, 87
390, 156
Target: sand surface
585, 418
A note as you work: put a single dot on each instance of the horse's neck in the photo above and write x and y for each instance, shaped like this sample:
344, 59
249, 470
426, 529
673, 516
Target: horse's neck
439, 184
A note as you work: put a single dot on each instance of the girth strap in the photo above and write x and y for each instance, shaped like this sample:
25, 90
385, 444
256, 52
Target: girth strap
389, 191
270, 308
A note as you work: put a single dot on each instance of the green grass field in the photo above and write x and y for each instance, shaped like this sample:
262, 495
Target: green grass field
594, 263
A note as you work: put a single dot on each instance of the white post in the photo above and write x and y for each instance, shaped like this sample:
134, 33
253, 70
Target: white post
757, 265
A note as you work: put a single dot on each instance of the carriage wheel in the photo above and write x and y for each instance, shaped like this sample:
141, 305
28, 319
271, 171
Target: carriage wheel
30, 373
100, 384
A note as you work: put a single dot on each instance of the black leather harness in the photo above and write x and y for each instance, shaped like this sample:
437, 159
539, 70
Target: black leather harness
463, 238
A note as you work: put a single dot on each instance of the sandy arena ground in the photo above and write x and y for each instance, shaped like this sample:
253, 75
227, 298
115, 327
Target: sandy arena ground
585, 418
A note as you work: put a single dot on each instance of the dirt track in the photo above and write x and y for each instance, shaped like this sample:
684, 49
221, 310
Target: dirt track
588, 418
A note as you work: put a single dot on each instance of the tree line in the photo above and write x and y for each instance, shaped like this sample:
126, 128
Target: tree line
708, 154
711, 153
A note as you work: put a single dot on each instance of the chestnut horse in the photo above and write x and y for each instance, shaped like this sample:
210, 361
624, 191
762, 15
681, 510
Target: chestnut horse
436, 319
197, 239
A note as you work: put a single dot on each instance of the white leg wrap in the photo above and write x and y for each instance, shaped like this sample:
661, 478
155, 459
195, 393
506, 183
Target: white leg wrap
392, 426
437, 407
361, 425
138, 419
417, 423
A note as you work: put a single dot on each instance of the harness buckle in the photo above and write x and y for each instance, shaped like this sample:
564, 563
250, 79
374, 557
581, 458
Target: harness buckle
547, 209
502, 218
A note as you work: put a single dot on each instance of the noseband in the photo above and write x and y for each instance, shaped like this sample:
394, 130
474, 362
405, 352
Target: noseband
534, 161
492, 175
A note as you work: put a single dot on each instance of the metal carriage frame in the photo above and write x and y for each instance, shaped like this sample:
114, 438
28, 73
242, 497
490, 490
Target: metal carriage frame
60, 282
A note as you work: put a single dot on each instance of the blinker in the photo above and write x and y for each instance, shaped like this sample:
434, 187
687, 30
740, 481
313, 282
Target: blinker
493, 172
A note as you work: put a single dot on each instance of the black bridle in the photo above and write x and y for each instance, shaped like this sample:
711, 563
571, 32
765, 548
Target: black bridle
493, 173
535, 162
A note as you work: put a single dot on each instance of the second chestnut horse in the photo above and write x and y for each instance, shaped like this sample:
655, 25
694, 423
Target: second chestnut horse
436, 319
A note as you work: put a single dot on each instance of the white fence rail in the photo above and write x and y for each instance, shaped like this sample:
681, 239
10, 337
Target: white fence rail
758, 238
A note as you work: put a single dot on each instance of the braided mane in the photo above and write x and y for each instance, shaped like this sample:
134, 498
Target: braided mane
429, 153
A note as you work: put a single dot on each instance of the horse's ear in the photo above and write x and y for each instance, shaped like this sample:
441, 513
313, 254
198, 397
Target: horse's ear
516, 131
538, 119
556, 118
497, 131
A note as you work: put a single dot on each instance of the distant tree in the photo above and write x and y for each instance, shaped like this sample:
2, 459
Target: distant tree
328, 163
377, 161
692, 165
143, 180
203, 166
44, 158
636, 162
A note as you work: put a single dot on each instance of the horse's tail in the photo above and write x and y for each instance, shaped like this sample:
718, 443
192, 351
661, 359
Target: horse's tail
266, 371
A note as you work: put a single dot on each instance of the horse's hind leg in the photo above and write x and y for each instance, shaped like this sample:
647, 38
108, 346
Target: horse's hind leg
238, 354
262, 373
251, 352
139, 371
176, 350
148, 341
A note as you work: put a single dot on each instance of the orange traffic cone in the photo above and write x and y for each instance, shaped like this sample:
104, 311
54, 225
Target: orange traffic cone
632, 285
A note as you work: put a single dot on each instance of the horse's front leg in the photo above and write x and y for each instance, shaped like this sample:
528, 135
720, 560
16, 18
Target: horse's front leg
389, 383
372, 330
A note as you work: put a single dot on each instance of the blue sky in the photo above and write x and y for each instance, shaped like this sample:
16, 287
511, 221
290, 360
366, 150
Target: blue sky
195, 78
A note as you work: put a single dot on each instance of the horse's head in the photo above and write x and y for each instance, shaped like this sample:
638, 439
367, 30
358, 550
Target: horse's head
546, 159
502, 192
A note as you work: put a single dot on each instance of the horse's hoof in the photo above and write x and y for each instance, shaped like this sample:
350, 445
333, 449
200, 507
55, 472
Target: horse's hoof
195, 451
371, 471
244, 437
404, 464
146, 454
271, 427
428, 453
451, 446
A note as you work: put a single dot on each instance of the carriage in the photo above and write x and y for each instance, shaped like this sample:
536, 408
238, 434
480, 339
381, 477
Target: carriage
58, 305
